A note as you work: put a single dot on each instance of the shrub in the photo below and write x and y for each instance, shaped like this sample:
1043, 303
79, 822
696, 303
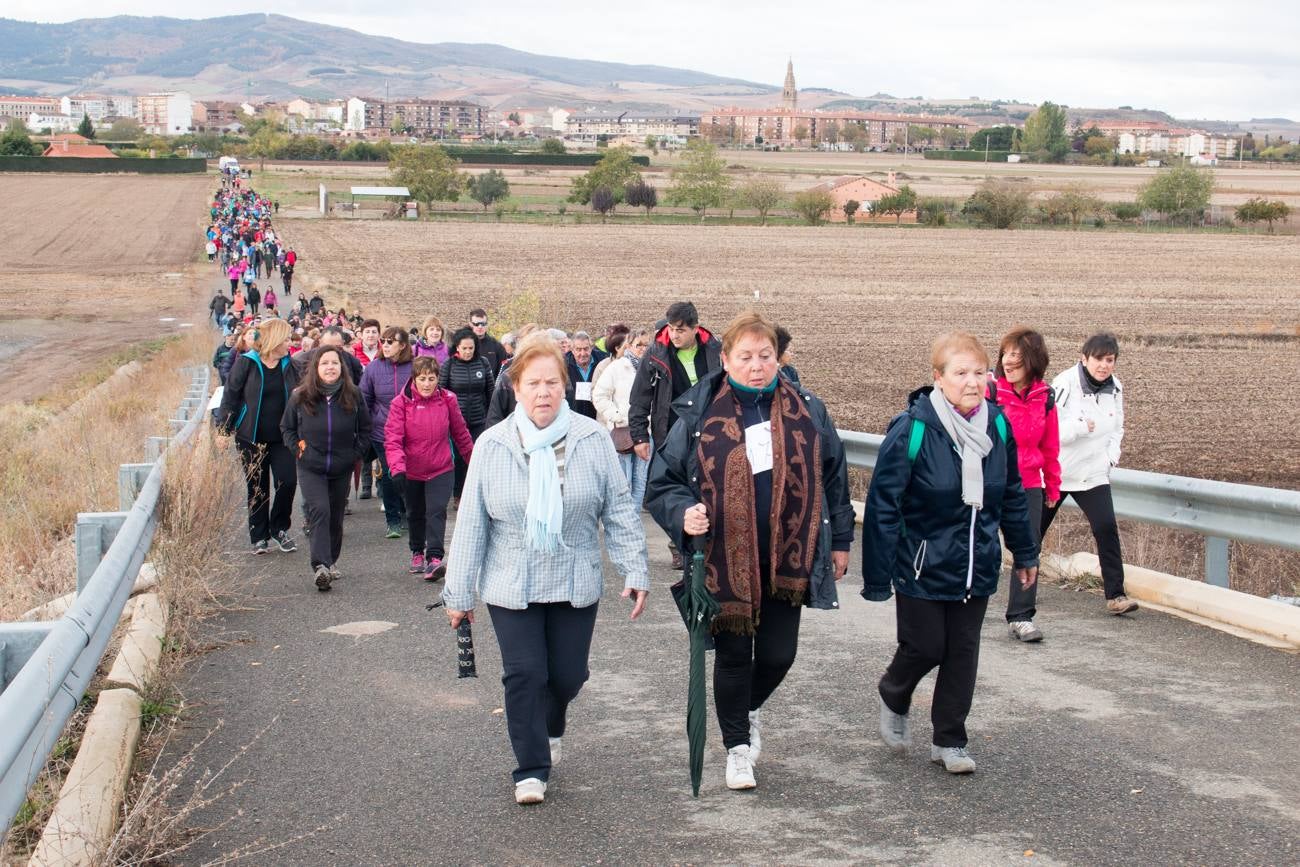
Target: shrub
813, 205
1125, 212
1000, 204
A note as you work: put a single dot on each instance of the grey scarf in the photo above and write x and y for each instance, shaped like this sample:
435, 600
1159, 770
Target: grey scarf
329, 389
972, 442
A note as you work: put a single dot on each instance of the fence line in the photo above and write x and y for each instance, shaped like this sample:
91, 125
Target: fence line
45, 668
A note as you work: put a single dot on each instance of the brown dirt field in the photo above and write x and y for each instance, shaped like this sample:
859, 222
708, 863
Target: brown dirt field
90, 264
1208, 324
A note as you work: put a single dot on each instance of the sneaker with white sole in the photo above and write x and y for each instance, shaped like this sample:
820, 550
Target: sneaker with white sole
284, 543
955, 760
1024, 630
1121, 605
895, 729
530, 791
740, 771
557, 750
755, 737
323, 578
261, 547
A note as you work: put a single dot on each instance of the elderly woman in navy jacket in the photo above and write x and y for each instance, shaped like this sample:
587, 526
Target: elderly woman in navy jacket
946, 481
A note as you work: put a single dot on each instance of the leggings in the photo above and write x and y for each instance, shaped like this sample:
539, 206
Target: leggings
1098, 507
426, 514
749, 668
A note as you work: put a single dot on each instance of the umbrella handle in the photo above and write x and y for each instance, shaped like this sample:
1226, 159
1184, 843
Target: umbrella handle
698, 543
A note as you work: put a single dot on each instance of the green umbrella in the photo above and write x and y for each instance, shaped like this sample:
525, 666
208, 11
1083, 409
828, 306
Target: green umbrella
698, 608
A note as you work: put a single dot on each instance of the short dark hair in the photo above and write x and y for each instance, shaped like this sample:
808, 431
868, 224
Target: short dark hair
1100, 345
783, 338
683, 313
615, 341
369, 323
1033, 352
334, 329
478, 311
463, 334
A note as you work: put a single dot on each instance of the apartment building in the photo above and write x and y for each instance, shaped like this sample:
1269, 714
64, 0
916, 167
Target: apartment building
168, 112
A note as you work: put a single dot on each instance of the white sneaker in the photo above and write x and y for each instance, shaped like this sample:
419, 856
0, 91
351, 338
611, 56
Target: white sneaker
530, 791
955, 760
556, 751
740, 772
895, 729
1024, 630
755, 737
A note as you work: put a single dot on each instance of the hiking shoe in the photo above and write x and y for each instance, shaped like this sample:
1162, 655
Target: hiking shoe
679, 562
1121, 604
530, 791
435, 569
895, 729
955, 760
740, 770
393, 533
284, 543
365, 494
261, 547
557, 750
323, 578
417, 563
335, 574
1024, 630
755, 737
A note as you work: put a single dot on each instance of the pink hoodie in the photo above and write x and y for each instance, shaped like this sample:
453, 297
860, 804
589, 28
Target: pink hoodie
1035, 428
419, 432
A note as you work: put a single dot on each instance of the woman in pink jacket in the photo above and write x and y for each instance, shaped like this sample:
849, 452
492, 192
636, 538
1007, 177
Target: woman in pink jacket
423, 420
1027, 402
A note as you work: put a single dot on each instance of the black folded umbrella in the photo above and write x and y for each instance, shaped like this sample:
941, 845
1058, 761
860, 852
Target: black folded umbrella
465, 666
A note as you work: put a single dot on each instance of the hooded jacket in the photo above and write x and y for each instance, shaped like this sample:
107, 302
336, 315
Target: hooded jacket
330, 441
674, 486
1088, 457
380, 384
661, 380
472, 382
918, 535
419, 433
241, 402
1034, 424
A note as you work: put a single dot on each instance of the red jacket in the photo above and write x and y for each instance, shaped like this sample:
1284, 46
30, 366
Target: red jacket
360, 353
1037, 435
419, 433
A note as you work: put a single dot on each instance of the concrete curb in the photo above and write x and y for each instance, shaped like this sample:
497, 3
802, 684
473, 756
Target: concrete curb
137, 660
56, 608
90, 802
1262, 620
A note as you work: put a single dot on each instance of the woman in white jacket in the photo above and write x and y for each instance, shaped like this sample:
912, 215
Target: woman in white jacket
1090, 406
612, 396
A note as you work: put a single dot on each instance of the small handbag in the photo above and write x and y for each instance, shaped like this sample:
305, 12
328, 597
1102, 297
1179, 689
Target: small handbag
622, 436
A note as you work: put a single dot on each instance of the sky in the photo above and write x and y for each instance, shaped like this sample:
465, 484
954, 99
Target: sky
1191, 58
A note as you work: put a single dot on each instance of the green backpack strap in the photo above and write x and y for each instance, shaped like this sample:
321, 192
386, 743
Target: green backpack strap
1000, 422
914, 439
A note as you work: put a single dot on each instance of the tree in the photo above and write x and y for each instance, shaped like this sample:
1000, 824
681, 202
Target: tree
1180, 193
652, 144
428, 171
86, 129
639, 194
700, 181
851, 208
813, 205
951, 136
998, 138
1000, 204
614, 171
17, 143
760, 194
603, 200
918, 135
1125, 212
898, 203
266, 142
1045, 135
1100, 145
855, 135
125, 129
553, 146
488, 188
1075, 203
1262, 210
514, 117
800, 133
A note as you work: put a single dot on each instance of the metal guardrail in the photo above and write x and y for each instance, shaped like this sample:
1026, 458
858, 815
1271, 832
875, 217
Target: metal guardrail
45, 667
1219, 511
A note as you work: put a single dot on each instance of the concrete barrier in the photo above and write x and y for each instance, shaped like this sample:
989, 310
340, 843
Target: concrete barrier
137, 660
56, 608
90, 803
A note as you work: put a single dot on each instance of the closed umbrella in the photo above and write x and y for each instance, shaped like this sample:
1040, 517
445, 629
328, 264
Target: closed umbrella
698, 608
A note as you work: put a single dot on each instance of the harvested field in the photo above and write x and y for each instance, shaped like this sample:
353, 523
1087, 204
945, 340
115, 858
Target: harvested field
1209, 325
91, 263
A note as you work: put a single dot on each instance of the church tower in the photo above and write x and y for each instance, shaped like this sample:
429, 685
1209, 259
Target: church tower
789, 94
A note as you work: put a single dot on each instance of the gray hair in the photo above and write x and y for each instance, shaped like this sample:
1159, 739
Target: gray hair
581, 335
557, 333
508, 339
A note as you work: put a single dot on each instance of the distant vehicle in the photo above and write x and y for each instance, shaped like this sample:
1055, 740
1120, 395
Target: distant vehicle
228, 165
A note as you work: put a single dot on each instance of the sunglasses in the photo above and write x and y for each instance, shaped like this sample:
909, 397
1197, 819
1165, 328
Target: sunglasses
389, 341
482, 324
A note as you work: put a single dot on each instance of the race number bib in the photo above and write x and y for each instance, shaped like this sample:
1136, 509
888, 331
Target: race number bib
758, 447
582, 391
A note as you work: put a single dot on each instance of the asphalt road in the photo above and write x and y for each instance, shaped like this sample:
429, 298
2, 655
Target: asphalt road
1139, 740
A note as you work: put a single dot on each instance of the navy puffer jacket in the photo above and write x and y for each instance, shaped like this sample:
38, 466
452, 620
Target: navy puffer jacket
917, 533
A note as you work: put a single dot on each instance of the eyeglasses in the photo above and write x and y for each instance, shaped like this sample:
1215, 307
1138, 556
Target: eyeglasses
389, 341
482, 324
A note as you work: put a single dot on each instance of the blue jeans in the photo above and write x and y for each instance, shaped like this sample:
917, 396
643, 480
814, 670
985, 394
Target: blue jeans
394, 505
637, 472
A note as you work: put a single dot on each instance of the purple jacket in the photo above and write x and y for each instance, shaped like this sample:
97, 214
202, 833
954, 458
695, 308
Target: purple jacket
439, 350
382, 381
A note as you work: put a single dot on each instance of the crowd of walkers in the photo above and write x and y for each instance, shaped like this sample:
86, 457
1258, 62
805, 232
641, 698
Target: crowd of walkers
548, 444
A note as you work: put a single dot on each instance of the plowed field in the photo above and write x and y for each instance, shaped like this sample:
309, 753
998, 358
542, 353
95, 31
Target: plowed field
1209, 324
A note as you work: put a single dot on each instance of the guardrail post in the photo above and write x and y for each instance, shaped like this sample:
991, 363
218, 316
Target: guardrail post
154, 447
130, 478
1216, 561
18, 641
95, 533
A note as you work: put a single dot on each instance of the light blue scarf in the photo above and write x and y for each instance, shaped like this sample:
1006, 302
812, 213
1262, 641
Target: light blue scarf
544, 517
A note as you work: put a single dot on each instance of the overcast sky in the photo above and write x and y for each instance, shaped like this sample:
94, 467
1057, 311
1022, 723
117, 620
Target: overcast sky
1192, 58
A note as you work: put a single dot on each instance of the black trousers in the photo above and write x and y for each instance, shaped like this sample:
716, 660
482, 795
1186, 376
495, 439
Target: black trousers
942, 634
324, 499
749, 668
426, 514
270, 506
1098, 507
462, 465
1022, 603
544, 651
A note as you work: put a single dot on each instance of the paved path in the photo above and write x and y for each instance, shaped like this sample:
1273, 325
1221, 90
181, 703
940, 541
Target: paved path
1139, 740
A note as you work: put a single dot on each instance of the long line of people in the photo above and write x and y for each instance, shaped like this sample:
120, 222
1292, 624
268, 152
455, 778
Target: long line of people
545, 437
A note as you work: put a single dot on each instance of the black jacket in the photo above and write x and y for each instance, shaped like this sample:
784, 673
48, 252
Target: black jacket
491, 351
673, 485
329, 442
350, 361
241, 402
916, 533
471, 382
582, 407
660, 380
221, 360
218, 304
